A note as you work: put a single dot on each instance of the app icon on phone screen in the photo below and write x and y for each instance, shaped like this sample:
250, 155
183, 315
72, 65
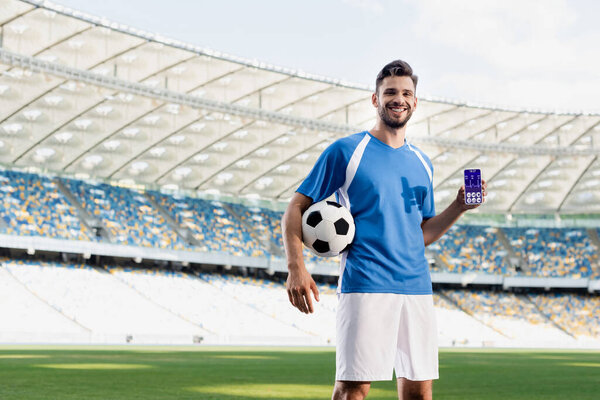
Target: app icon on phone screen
473, 190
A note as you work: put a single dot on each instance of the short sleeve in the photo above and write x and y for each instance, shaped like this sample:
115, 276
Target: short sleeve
428, 201
327, 175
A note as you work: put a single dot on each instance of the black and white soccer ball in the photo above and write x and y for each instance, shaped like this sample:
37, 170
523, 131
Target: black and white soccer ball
327, 228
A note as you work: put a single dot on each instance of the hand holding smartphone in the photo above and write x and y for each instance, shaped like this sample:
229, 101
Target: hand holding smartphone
473, 188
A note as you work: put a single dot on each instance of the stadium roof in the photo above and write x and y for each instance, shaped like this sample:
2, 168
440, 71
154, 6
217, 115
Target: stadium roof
83, 96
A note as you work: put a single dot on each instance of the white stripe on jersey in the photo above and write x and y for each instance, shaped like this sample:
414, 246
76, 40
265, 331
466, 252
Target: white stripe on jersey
343, 192
351, 171
418, 153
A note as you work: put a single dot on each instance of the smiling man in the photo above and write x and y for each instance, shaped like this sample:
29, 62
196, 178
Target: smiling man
385, 319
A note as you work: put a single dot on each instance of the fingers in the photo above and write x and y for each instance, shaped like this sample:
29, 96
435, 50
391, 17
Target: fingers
299, 288
315, 291
483, 190
306, 295
297, 300
300, 298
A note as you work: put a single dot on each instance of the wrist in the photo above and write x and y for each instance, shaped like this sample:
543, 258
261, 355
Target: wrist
295, 266
459, 206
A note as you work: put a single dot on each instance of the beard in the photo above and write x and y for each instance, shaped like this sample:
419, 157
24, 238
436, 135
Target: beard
392, 122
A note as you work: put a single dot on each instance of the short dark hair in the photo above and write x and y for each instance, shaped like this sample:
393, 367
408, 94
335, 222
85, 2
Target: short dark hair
395, 68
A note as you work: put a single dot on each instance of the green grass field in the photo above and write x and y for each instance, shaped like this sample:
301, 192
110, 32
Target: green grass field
101, 372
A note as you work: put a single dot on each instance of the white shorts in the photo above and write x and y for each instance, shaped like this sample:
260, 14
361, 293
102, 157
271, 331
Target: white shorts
378, 333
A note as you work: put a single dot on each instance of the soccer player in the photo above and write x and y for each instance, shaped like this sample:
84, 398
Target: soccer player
385, 320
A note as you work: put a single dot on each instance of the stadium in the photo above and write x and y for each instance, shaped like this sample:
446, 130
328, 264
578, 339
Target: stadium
144, 182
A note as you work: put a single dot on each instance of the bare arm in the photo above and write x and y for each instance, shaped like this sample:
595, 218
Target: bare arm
434, 228
299, 282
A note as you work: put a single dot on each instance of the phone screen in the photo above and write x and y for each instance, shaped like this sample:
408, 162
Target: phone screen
473, 192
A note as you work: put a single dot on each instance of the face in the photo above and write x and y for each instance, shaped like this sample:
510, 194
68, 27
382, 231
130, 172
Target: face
395, 101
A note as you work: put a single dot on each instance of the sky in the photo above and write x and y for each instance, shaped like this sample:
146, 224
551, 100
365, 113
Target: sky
532, 54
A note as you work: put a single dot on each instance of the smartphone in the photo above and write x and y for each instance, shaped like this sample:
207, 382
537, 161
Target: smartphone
473, 190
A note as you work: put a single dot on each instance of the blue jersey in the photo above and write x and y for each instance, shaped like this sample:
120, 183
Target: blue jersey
389, 193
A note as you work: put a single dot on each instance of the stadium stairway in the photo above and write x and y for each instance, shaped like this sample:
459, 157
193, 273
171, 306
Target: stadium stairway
184, 233
511, 258
546, 317
94, 226
470, 314
263, 242
593, 235
3, 224
438, 260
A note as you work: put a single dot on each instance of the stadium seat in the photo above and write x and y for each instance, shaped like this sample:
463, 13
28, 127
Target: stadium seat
32, 205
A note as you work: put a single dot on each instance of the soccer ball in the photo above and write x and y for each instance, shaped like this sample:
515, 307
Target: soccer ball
327, 228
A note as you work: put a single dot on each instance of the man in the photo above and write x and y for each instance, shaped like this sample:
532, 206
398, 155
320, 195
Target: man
385, 319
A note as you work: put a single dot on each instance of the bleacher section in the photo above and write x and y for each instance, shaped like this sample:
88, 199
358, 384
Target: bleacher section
268, 223
576, 314
457, 328
471, 249
54, 303
32, 205
242, 312
514, 317
554, 252
116, 305
127, 215
25, 317
271, 299
95, 301
211, 224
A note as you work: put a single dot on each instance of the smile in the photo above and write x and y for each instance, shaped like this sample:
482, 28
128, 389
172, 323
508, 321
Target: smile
398, 110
